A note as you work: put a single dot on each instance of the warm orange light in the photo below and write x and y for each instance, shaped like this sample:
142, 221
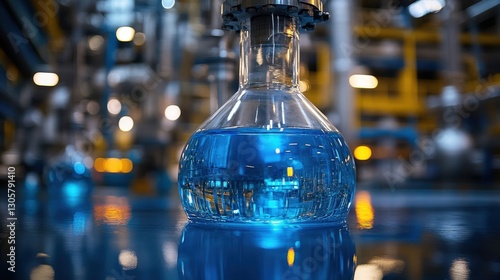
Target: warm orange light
127, 165
290, 256
364, 210
99, 164
115, 211
113, 165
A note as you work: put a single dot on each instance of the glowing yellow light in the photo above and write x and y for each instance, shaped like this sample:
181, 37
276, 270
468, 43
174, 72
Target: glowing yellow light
172, 112
363, 81
290, 257
126, 123
362, 153
459, 269
388, 265
45, 79
127, 165
364, 210
303, 86
115, 211
368, 271
113, 165
42, 271
125, 34
289, 171
99, 164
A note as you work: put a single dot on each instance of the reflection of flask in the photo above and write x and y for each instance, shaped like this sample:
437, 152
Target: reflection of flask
266, 253
69, 180
267, 155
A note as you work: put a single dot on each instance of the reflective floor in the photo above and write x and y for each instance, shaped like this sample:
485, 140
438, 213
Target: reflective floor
390, 234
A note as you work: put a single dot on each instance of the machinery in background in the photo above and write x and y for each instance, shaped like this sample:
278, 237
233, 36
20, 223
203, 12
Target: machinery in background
437, 91
170, 60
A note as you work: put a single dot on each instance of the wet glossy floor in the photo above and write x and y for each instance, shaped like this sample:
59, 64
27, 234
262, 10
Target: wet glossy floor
401, 234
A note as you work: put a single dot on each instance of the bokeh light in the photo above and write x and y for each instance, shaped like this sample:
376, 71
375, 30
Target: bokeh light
362, 153
45, 79
114, 106
172, 112
126, 123
125, 34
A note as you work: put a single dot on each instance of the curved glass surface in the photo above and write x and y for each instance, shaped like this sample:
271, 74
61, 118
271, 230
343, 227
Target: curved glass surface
268, 155
270, 253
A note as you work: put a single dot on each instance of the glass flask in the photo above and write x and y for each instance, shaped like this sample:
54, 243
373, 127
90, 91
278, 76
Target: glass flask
268, 155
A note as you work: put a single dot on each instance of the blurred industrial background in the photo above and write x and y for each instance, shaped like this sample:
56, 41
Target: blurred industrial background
109, 91
412, 85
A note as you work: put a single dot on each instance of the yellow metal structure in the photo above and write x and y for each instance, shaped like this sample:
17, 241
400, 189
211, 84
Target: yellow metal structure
47, 12
319, 81
406, 101
405, 95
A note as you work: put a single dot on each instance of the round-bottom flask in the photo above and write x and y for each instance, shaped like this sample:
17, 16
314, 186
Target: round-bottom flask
268, 155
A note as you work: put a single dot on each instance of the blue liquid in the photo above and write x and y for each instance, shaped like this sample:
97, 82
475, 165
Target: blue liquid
266, 176
325, 252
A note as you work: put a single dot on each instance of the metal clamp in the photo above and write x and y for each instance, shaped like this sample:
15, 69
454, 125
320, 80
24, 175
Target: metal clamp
307, 12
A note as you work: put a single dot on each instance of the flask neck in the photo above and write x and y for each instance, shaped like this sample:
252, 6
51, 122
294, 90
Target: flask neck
269, 52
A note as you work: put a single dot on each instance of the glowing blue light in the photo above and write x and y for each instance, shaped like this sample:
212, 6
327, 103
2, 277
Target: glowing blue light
72, 189
79, 222
270, 148
74, 192
269, 242
31, 183
79, 167
273, 204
